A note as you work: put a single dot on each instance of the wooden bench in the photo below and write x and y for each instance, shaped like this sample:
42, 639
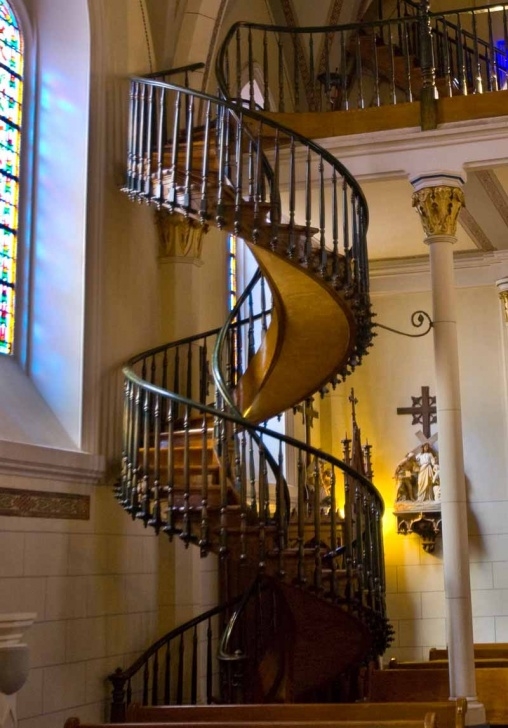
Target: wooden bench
429, 721
482, 650
449, 714
394, 664
429, 684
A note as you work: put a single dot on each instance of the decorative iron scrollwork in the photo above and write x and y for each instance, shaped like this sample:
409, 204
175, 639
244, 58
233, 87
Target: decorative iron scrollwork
418, 319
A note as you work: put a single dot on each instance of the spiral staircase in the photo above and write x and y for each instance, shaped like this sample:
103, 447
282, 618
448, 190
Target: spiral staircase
297, 531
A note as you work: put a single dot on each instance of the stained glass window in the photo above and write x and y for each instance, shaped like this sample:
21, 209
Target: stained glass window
11, 90
232, 274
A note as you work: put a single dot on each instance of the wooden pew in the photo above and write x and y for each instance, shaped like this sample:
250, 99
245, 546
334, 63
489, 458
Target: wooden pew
482, 650
429, 721
449, 714
394, 664
429, 684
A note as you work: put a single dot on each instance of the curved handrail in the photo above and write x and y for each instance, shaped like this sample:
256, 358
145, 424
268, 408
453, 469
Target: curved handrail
129, 672
260, 429
468, 48
273, 124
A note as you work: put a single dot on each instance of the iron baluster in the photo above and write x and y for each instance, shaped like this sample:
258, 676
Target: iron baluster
274, 198
281, 515
147, 193
155, 520
167, 674
252, 102
292, 193
169, 528
312, 80
209, 662
264, 325
359, 71
407, 61
478, 71
344, 82
176, 378
492, 62
203, 208
393, 89
345, 233
377, 94
173, 179
446, 60
307, 249
333, 532
134, 494
141, 147
281, 75
263, 496
302, 506
204, 541
461, 45
238, 66
131, 152
266, 82
253, 506
194, 668
189, 120
335, 230
161, 140
179, 686
322, 241
188, 393
239, 175
251, 345
146, 683
317, 525
186, 534
155, 679
296, 76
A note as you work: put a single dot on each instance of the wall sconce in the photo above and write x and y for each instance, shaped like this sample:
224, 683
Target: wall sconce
502, 287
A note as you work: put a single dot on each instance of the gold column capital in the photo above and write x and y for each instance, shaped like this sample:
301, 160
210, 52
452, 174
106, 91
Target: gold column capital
179, 237
502, 287
439, 208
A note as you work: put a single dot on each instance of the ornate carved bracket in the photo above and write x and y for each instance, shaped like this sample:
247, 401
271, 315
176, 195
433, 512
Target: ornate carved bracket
179, 238
424, 519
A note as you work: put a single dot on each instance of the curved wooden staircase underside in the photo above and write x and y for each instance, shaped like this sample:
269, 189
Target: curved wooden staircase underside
311, 331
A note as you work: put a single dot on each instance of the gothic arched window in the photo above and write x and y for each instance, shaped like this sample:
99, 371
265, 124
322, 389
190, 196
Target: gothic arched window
11, 90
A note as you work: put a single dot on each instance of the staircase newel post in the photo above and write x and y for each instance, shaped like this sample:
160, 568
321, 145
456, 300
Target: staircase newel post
118, 680
429, 95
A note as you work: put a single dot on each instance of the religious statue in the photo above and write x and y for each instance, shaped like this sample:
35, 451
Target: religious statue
324, 480
417, 476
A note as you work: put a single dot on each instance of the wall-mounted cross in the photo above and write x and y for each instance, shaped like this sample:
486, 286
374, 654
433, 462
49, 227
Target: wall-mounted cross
423, 411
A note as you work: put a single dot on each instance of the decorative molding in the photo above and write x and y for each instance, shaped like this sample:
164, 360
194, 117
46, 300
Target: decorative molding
475, 231
473, 268
42, 504
424, 522
179, 237
495, 191
333, 19
290, 17
439, 208
46, 463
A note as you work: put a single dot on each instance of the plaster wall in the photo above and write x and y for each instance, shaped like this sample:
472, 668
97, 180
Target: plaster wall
391, 374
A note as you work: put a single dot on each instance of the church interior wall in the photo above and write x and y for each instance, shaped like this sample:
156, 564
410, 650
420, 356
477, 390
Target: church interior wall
392, 373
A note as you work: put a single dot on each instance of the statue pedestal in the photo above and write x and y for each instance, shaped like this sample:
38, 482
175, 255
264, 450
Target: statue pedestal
14, 663
422, 518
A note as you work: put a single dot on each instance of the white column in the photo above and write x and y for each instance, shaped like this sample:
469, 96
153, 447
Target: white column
438, 198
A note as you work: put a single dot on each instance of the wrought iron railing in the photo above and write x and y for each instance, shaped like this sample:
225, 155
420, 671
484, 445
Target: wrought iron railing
373, 63
192, 466
168, 671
